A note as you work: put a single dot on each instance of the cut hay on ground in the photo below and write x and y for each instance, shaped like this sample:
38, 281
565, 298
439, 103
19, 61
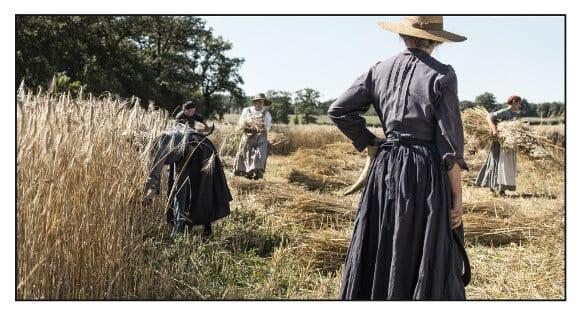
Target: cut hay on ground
325, 249
331, 167
498, 209
491, 231
311, 210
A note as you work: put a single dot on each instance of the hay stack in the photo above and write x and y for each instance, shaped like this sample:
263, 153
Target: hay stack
334, 166
517, 135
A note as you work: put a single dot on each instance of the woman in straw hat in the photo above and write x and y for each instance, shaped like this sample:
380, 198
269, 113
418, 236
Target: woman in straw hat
252, 154
499, 171
407, 241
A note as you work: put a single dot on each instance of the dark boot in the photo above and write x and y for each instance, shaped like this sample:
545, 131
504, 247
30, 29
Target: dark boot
207, 232
239, 173
259, 174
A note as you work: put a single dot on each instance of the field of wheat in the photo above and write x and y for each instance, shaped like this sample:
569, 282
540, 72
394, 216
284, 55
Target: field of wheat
82, 232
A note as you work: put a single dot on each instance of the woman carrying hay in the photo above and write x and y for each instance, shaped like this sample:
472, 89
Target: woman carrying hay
255, 122
499, 171
407, 241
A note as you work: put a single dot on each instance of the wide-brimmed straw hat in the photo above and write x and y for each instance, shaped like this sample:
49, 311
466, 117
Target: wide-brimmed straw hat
423, 26
260, 96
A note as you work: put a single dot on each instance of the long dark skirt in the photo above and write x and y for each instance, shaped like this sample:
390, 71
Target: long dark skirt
402, 246
199, 196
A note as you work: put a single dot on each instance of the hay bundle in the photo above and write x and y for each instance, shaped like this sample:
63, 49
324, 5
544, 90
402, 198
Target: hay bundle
310, 136
498, 209
260, 188
517, 135
331, 167
279, 143
253, 125
325, 249
486, 230
309, 209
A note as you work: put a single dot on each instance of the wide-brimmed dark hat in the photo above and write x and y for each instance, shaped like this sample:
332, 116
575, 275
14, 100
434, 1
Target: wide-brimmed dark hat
188, 105
260, 96
423, 26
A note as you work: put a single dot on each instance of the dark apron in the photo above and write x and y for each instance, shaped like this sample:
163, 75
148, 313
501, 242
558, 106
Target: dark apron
395, 139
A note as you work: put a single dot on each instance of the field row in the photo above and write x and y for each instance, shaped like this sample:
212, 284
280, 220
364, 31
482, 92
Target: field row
375, 122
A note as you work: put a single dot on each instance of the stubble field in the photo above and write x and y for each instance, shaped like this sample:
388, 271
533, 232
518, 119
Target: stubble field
82, 232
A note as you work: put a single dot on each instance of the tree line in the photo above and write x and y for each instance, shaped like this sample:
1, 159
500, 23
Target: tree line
161, 59
165, 60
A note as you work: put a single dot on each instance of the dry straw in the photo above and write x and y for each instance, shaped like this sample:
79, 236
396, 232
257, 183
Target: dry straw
80, 174
516, 135
330, 167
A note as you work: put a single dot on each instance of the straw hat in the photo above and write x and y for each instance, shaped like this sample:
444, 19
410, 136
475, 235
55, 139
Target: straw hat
423, 26
260, 96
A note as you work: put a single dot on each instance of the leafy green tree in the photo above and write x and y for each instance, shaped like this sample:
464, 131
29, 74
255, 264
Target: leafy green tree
218, 73
487, 100
306, 104
165, 59
323, 107
280, 105
528, 110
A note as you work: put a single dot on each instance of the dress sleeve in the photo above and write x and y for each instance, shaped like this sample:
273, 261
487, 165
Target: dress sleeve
497, 116
346, 112
268, 121
243, 116
449, 135
153, 181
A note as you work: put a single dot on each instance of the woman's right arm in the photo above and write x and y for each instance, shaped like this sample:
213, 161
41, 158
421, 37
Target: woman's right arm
492, 124
346, 112
455, 181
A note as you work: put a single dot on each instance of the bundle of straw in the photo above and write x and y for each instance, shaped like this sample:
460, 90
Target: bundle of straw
253, 125
487, 230
229, 140
516, 135
325, 249
310, 209
333, 166
494, 208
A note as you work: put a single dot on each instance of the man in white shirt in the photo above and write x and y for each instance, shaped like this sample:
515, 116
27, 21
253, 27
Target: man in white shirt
253, 151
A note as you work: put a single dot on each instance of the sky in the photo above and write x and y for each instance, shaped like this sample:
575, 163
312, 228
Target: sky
504, 55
